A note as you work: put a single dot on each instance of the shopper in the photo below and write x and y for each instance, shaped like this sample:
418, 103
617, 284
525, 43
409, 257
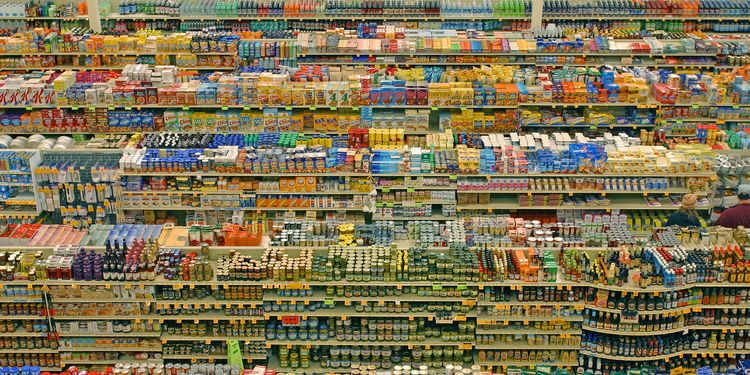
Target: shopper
686, 216
738, 215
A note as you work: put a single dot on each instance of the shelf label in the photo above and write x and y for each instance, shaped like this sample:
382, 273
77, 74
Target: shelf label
296, 286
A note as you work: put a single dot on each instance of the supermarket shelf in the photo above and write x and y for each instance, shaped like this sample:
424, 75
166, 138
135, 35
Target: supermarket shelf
28, 351
104, 300
165, 337
359, 300
210, 316
583, 175
719, 327
86, 68
740, 152
66, 18
14, 171
22, 317
635, 333
112, 334
426, 342
116, 53
412, 203
109, 362
678, 65
450, 187
240, 192
211, 357
511, 203
19, 300
355, 108
693, 353
176, 208
104, 317
306, 284
401, 174
251, 174
109, 349
700, 119
18, 213
317, 17
641, 17
602, 53
531, 303
406, 218
571, 192
519, 346
513, 318
345, 311
24, 334
659, 289
526, 363
313, 369
527, 331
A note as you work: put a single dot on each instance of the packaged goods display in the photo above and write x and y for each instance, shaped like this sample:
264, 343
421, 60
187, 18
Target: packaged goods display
215, 187
446, 299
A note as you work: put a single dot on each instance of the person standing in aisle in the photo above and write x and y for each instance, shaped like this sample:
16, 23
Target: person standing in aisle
686, 216
738, 215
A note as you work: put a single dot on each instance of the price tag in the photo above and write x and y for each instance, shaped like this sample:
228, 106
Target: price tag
437, 287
